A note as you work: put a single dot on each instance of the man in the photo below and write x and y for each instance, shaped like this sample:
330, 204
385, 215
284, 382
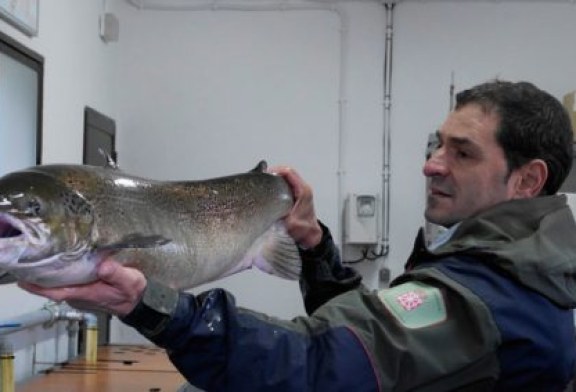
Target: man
486, 307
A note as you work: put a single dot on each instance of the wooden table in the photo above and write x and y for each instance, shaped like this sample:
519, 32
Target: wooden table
119, 369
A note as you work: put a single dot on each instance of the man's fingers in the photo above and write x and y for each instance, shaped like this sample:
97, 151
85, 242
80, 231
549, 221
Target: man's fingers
57, 294
109, 272
292, 178
122, 278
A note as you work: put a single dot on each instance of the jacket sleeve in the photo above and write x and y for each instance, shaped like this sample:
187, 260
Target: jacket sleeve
323, 275
220, 347
417, 336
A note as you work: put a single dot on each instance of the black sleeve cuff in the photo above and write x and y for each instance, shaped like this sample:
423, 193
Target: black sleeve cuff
154, 311
323, 275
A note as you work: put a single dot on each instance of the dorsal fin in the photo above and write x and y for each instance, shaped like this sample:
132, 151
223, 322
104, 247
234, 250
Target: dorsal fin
261, 167
110, 162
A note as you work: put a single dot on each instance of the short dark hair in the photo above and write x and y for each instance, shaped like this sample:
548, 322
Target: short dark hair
533, 125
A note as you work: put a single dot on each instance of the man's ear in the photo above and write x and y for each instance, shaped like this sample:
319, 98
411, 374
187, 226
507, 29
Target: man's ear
530, 179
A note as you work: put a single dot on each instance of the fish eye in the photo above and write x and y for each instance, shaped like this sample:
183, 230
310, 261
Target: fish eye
33, 207
28, 205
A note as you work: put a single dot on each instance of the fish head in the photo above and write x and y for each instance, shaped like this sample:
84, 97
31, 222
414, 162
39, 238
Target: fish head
41, 219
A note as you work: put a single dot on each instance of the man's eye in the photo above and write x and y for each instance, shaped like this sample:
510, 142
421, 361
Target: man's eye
462, 154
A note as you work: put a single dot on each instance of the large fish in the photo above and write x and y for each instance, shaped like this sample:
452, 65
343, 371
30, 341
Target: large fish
57, 222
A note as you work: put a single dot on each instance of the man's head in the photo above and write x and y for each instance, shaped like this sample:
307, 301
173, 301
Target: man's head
503, 141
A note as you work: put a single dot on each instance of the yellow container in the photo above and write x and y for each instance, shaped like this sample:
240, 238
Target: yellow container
92, 345
7, 372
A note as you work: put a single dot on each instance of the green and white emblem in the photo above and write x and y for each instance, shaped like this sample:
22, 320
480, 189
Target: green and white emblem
414, 304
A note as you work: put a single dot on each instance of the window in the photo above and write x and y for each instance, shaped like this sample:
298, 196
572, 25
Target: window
21, 83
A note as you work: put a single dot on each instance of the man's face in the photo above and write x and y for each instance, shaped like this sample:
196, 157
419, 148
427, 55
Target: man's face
468, 172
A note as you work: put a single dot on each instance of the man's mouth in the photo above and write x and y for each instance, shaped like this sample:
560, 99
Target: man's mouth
438, 192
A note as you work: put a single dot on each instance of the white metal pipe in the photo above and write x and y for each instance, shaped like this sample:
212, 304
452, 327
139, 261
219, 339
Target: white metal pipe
48, 314
73, 329
232, 5
75, 315
342, 123
386, 137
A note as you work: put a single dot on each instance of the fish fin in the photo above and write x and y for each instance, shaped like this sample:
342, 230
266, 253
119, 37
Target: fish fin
6, 278
279, 254
135, 240
111, 162
261, 167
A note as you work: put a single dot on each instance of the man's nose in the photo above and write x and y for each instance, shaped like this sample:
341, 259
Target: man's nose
435, 165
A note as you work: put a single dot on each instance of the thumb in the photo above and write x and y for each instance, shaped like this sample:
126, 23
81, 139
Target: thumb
109, 271
128, 280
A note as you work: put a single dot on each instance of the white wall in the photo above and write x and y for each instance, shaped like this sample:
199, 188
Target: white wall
532, 41
212, 92
78, 71
200, 94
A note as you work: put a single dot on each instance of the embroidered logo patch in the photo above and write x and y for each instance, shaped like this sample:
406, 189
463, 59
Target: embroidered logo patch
412, 299
414, 304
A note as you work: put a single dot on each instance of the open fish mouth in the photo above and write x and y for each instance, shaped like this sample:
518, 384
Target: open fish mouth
12, 240
32, 230
8, 229
19, 239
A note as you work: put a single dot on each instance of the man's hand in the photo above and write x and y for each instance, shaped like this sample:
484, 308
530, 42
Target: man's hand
301, 222
117, 291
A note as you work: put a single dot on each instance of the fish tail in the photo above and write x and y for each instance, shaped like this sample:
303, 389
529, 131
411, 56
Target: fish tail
279, 254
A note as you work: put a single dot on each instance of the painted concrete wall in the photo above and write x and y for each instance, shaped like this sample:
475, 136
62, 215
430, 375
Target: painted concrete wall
202, 94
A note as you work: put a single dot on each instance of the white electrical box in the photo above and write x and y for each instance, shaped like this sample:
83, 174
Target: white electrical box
361, 219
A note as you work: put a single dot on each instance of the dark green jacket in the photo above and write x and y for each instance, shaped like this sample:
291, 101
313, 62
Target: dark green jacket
489, 310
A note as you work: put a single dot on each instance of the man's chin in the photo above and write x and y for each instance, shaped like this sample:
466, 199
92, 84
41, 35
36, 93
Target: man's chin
438, 219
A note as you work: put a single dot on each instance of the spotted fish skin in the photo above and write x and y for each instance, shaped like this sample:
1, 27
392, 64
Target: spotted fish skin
57, 222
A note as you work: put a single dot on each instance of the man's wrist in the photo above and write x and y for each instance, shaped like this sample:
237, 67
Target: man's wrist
154, 310
319, 244
313, 238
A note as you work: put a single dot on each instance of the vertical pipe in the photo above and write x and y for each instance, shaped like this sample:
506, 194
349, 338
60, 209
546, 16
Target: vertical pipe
342, 123
73, 329
91, 337
6, 368
389, 7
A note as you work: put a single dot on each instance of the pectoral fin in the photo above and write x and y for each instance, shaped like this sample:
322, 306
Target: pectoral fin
135, 240
279, 254
6, 278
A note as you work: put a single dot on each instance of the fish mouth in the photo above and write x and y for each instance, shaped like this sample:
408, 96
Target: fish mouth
33, 230
25, 243
8, 229
12, 240
19, 237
